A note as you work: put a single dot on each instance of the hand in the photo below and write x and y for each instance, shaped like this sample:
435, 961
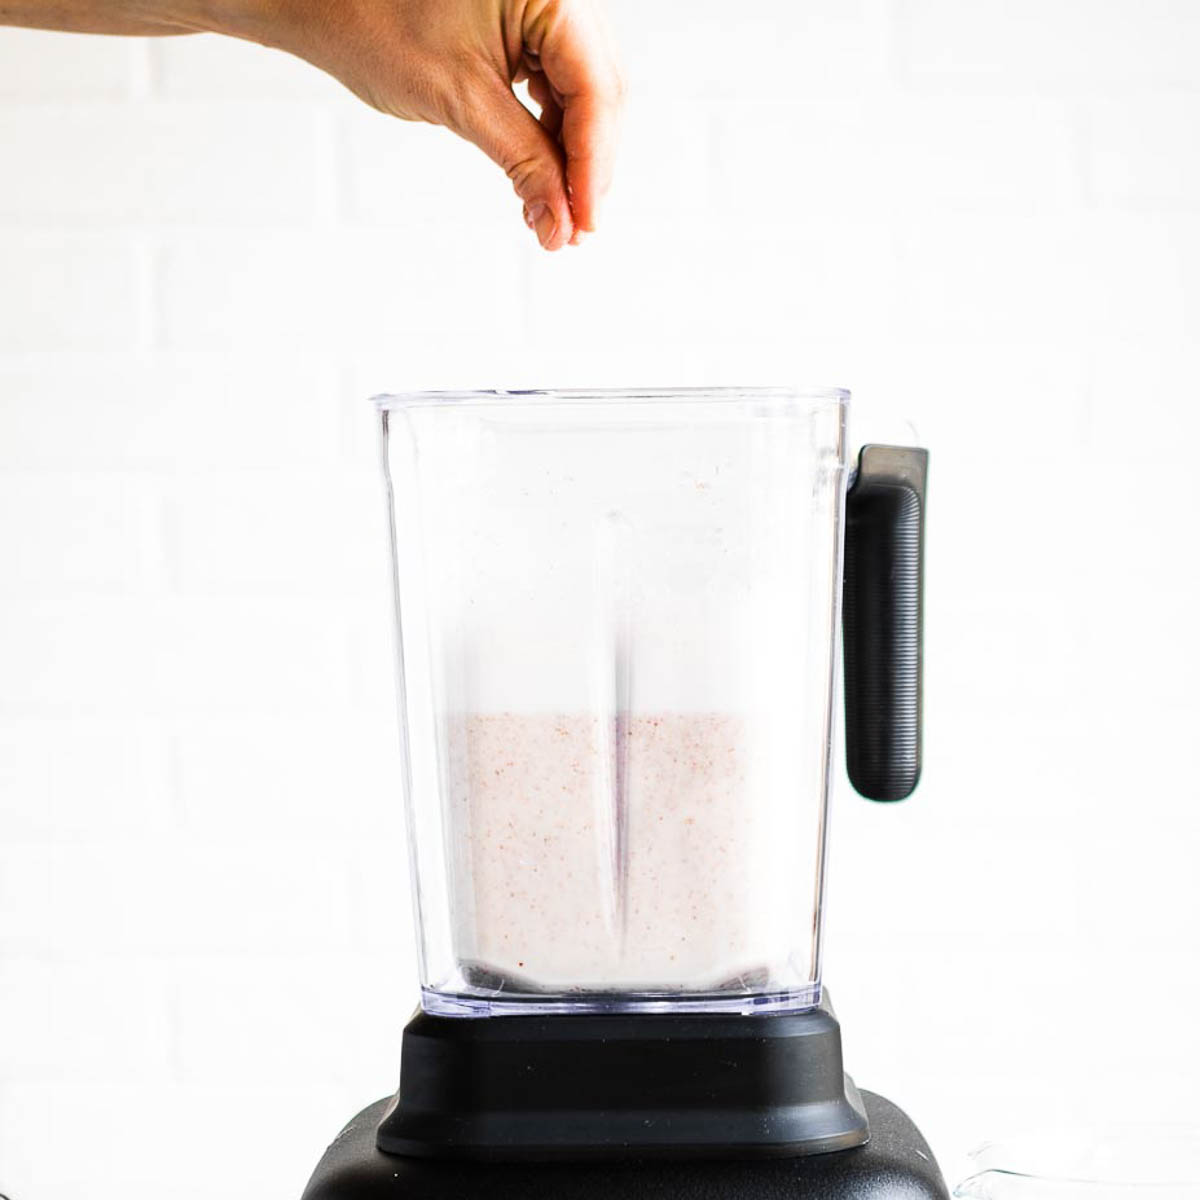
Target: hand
454, 63
449, 62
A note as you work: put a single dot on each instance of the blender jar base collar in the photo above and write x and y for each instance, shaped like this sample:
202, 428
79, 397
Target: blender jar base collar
613, 1087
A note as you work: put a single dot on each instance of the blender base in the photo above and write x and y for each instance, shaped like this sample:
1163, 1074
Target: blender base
896, 1164
621, 1087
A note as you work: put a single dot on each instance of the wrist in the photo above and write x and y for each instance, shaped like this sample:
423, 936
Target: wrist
269, 22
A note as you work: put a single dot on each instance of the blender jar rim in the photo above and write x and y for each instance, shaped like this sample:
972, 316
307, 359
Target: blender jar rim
499, 397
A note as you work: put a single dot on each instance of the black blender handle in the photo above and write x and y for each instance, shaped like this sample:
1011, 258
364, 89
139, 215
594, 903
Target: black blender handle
882, 619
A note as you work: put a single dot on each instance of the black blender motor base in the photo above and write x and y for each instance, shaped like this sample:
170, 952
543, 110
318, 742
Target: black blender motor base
617, 1086
694, 1107
896, 1164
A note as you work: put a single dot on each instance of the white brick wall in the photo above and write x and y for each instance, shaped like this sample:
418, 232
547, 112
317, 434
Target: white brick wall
1140, 154
67, 292
1068, 45
156, 163
184, 68
38, 65
984, 218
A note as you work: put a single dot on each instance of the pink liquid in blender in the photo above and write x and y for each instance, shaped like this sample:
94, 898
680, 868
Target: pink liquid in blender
599, 855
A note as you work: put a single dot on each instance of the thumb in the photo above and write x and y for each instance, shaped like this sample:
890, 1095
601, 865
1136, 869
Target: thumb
509, 134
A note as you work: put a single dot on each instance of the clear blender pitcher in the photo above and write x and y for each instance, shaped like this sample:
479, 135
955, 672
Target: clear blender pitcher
617, 618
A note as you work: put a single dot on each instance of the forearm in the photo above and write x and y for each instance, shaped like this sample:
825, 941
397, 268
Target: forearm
145, 18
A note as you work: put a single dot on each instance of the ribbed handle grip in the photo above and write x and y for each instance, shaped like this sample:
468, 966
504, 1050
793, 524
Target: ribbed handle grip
882, 620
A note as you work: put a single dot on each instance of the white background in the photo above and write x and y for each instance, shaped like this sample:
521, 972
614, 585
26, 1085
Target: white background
983, 218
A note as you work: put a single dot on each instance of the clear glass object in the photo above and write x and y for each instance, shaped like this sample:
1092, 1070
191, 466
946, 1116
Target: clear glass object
1123, 1164
616, 627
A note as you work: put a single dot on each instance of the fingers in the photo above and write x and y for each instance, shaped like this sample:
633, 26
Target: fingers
561, 162
551, 118
508, 133
573, 47
589, 134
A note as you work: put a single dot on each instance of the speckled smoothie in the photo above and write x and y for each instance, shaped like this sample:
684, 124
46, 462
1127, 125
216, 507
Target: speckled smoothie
606, 854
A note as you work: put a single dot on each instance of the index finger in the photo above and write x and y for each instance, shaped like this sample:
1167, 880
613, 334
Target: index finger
573, 44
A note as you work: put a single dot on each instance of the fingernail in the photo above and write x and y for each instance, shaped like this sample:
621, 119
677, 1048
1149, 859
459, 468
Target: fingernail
580, 236
528, 218
542, 221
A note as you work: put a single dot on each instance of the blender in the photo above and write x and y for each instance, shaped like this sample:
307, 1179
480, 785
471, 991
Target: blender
618, 617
